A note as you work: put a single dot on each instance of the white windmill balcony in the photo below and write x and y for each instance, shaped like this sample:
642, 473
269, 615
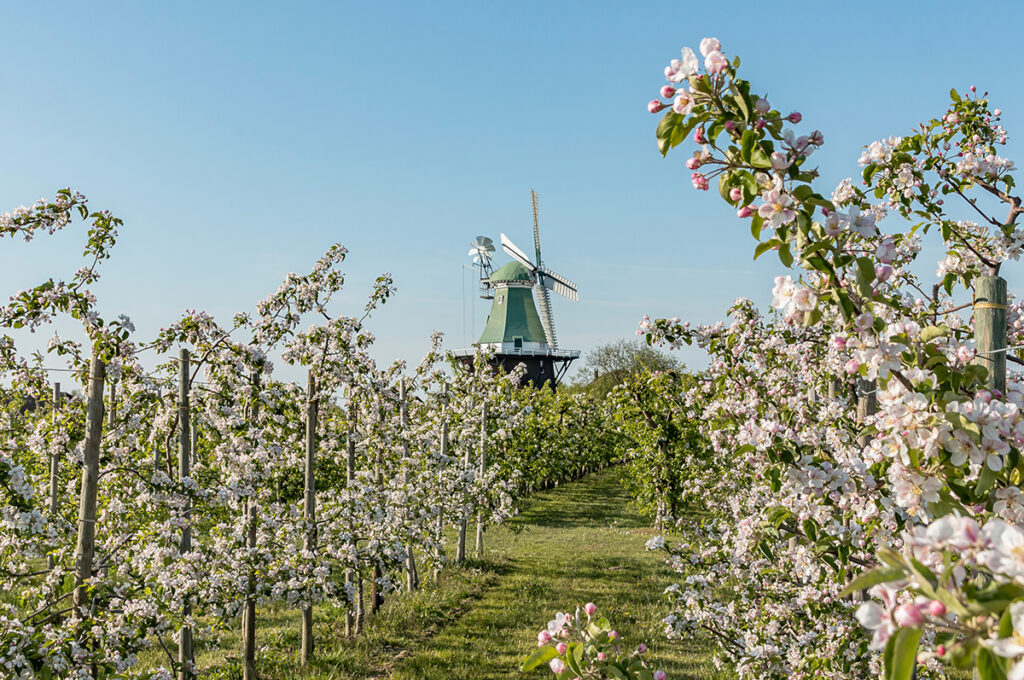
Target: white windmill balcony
526, 349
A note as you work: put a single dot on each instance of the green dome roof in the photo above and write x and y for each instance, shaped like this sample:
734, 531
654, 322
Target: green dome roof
513, 271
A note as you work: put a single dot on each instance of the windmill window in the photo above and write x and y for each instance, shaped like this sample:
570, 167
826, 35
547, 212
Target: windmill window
501, 298
517, 342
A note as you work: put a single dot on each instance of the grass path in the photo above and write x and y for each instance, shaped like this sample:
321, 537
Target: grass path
571, 545
578, 543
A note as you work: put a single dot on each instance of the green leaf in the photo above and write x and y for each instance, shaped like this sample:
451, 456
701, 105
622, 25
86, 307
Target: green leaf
747, 144
986, 480
724, 185
615, 672
758, 158
954, 95
742, 105
989, 666
785, 256
756, 224
762, 248
673, 129
873, 577
541, 656
901, 654
929, 333
811, 529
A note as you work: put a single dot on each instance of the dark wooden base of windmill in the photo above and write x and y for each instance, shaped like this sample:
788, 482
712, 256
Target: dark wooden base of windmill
540, 370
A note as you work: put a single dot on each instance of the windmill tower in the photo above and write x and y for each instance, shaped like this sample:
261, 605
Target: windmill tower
515, 331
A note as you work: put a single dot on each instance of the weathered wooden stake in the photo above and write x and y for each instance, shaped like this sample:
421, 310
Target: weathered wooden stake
90, 480
54, 469
867, 404
411, 577
309, 508
185, 654
440, 515
376, 597
354, 614
990, 329
249, 610
483, 470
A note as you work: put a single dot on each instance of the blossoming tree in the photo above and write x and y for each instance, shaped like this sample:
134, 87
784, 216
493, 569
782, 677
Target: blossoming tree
876, 431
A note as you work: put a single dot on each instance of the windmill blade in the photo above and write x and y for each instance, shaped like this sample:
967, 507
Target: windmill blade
560, 285
536, 226
513, 250
483, 243
546, 318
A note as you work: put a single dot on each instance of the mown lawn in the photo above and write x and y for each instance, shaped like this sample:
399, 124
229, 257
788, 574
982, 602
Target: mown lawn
577, 543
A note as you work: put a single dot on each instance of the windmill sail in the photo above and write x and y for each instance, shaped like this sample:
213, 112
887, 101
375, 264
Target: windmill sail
546, 319
513, 250
560, 285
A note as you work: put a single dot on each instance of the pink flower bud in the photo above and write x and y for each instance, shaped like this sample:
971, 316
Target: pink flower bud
744, 212
561, 647
794, 117
936, 608
760, 124
641, 648
908, 615
735, 193
613, 635
543, 638
693, 163
668, 91
699, 181
590, 608
654, 105
698, 136
940, 650
762, 106
557, 666
601, 656
660, 675
998, 112
883, 272
568, 618
730, 125
852, 366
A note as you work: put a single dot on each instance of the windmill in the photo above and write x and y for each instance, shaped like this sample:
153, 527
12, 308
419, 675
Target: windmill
515, 332
545, 279
482, 250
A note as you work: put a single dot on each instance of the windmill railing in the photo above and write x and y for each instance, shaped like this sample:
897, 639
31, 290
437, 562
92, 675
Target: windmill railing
522, 351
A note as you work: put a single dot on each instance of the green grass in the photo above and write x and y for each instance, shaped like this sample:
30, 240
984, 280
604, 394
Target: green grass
571, 545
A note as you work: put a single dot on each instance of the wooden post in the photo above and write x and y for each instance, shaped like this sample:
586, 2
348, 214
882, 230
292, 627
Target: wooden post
990, 330
460, 546
54, 469
90, 480
309, 508
195, 439
185, 655
157, 461
659, 519
440, 515
376, 597
249, 609
867, 404
354, 614
411, 577
482, 471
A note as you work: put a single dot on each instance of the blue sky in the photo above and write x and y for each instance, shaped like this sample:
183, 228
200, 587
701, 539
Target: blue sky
239, 140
